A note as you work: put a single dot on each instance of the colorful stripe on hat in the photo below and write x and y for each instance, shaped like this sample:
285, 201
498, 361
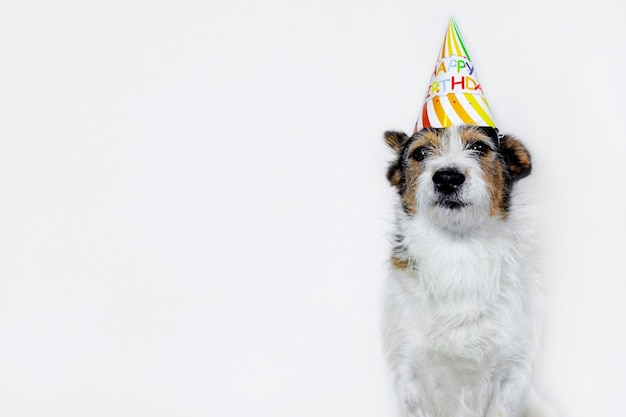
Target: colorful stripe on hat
455, 109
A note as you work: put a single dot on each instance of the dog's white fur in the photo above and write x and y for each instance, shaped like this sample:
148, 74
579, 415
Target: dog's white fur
462, 321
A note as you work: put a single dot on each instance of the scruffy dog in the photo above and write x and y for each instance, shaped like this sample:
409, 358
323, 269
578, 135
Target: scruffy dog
462, 307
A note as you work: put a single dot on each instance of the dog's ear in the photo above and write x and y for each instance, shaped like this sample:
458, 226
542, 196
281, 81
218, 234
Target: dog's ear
516, 156
396, 141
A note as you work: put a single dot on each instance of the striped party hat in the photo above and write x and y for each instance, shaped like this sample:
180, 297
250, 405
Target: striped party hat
454, 97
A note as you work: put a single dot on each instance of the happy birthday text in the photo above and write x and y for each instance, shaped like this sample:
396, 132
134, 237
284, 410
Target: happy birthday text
444, 81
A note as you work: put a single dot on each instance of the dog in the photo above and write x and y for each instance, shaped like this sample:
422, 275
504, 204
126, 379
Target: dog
462, 306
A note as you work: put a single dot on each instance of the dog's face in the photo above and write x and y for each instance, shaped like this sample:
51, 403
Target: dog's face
457, 176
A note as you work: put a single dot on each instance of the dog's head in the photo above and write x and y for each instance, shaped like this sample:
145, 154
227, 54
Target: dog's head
457, 176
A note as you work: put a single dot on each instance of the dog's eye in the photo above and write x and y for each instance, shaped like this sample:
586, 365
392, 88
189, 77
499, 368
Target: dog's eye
479, 147
420, 153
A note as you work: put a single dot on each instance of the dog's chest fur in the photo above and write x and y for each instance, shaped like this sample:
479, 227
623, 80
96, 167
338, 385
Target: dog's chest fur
456, 313
465, 291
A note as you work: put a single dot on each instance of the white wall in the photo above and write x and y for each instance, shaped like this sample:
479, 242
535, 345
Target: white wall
193, 209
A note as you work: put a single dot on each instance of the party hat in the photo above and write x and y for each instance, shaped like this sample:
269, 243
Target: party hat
454, 97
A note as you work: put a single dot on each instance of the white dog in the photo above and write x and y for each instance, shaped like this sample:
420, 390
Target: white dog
462, 307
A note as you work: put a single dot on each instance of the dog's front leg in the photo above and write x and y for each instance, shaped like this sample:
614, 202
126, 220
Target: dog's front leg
410, 396
511, 399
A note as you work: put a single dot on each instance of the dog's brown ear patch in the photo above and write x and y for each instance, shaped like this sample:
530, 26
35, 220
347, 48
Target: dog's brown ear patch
396, 141
516, 156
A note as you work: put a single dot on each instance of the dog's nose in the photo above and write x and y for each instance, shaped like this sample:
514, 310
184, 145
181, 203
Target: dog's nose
448, 180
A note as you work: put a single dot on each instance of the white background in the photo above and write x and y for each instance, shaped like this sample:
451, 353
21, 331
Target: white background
194, 214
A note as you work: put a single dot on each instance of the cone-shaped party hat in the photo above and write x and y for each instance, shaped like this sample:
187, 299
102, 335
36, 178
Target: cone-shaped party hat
454, 97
